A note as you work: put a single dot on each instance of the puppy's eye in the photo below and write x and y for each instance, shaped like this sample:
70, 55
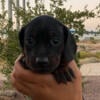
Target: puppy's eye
55, 42
30, 41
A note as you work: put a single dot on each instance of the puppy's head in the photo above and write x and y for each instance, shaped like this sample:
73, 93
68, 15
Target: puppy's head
44, 42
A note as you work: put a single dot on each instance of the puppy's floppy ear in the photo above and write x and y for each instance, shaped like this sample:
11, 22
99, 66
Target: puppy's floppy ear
21, 37
70, 46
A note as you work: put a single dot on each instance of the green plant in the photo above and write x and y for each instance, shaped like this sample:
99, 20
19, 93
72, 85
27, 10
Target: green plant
77, 57
97, 54
92, 40
84, 54
70, 18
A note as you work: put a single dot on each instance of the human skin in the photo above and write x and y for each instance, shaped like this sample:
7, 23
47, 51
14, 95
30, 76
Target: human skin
45, 87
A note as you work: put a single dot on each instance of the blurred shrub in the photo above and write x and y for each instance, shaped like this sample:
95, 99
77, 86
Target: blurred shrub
84, 54
97, 55
92, 40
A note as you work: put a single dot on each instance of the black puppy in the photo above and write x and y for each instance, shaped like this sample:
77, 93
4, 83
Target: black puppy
47, 47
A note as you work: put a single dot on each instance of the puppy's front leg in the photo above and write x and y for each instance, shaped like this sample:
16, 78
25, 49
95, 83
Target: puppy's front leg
63, 75
23, 63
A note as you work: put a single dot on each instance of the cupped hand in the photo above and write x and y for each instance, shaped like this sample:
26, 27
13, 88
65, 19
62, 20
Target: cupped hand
44, 86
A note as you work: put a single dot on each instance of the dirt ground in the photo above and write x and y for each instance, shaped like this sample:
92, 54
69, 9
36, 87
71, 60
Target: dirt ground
91, 47
91, 89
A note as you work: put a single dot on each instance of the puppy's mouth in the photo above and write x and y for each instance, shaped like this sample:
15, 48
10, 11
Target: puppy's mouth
40, 65
42, 68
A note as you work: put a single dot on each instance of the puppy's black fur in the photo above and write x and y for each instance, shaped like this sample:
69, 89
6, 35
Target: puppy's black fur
47, 47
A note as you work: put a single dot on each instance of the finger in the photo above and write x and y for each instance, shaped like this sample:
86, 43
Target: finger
28, 88
72, 64
18, 58
20, 87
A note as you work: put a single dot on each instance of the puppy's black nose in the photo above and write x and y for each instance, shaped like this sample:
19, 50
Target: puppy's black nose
42, 60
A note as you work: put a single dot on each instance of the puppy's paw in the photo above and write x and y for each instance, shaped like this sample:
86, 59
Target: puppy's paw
64, 75
22, 62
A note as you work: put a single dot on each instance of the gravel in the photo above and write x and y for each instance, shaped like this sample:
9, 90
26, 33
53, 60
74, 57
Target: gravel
91, 88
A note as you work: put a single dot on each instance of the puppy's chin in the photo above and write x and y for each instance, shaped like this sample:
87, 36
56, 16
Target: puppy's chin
43, 69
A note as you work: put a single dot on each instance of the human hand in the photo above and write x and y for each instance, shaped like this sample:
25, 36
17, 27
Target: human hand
44, 87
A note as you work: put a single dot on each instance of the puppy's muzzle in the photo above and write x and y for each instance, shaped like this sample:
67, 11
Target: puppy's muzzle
42, 60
